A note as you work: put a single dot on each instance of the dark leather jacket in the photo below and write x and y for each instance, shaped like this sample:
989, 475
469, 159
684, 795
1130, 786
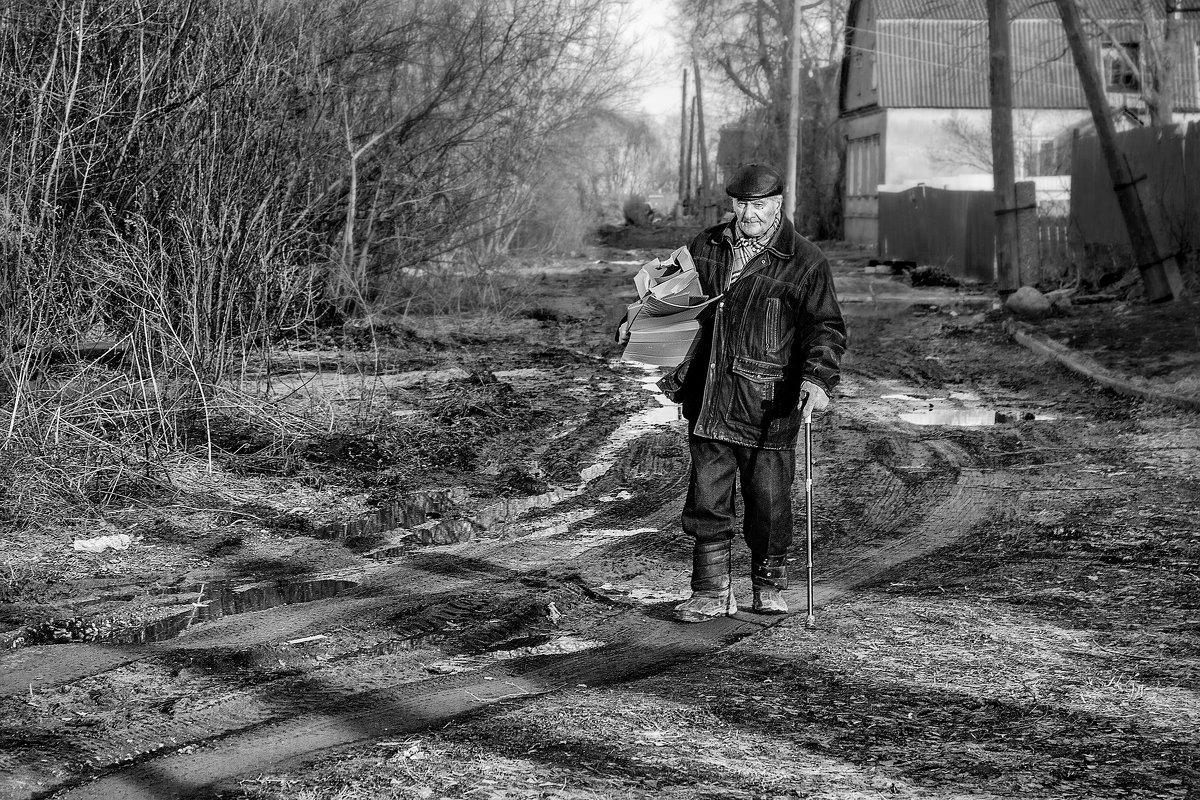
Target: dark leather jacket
778, 324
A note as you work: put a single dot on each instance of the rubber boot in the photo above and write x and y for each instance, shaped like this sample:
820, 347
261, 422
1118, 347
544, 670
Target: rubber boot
712, 590
769, 577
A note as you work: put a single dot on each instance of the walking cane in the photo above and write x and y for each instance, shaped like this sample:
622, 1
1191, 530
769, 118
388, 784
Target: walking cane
811, 621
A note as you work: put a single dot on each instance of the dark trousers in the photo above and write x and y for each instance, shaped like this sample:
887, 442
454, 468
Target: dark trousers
708, 516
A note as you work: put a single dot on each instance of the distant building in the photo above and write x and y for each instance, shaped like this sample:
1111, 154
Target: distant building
914, 99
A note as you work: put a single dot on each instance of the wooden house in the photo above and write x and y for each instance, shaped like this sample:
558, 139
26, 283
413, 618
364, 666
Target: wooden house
914, 101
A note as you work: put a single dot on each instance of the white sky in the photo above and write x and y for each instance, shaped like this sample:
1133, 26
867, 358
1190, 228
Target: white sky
652, 40
648, 30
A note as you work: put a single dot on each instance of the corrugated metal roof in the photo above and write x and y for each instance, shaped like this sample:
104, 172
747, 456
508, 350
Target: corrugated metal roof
1024, 9
944, 64
932, 64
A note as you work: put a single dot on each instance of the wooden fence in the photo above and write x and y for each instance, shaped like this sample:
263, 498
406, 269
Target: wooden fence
955, 230
944, 228
1164, 164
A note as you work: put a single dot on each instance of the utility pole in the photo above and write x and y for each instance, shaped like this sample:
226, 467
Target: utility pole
1004, 174
1160, 277
701, 142
683, 142
793, 132
691, 135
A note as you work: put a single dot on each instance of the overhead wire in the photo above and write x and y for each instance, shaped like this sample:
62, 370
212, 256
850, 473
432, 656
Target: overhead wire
973, 68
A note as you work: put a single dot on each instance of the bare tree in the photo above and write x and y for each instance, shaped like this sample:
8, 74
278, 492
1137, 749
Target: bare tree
968, 143
746, 40
1153, 62
190, 179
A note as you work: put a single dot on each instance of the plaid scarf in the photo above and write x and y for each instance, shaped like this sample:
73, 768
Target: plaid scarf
746, 248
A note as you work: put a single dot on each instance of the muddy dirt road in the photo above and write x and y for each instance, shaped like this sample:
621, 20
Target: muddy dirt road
1007, 606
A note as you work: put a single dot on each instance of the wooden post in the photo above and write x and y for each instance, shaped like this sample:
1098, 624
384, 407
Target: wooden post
1160, 279
1008, 272
1026, 226
793, 131
701, 142
690, 137
683, 141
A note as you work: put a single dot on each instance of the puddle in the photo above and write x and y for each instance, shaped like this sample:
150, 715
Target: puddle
543, 645
226, 598
964, 418
207, 602
431, 517
969, 418
614, 533
639, 594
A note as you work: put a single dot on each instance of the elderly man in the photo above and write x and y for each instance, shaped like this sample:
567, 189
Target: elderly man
767, 358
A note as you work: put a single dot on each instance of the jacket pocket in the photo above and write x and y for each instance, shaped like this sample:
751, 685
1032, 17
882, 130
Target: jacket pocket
755, 370
754, 385
773, 330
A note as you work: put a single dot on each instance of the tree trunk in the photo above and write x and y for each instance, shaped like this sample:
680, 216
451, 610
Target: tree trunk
793, 130
1003, 170
1160, 279
1157, 65
701, 142
683, 142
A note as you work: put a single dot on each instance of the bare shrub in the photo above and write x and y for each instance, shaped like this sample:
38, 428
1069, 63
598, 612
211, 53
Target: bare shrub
746, 40
187, 180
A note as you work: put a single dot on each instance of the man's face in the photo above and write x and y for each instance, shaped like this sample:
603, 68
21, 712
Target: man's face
755, 216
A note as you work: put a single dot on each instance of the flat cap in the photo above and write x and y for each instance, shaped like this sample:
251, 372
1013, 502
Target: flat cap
752, 181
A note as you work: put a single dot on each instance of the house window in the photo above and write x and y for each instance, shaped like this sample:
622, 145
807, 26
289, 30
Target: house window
1122, 67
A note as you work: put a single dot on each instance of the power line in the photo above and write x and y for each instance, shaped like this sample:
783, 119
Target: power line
964, 68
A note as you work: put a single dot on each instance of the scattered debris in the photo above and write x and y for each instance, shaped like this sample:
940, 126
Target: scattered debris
98, 544
1061, 298
306, 639
932, 276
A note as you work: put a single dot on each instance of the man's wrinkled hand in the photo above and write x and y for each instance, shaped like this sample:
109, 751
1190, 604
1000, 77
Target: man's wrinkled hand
623, 333
814, 399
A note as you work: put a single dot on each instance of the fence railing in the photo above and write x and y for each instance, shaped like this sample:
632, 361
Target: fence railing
1054, 247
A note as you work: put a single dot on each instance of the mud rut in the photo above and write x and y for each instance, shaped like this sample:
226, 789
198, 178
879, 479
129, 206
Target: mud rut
487, 613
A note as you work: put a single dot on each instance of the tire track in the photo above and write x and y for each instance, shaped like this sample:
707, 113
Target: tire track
444, 593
